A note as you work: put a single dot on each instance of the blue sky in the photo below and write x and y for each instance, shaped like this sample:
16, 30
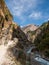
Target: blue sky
29, 11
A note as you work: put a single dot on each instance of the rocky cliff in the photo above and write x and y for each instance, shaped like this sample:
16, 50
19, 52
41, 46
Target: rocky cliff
30, 31
42, 40
29, 27
13, 41
5, 10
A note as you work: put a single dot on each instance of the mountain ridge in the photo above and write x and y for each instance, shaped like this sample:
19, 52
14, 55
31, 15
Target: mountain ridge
29, 27
13, 41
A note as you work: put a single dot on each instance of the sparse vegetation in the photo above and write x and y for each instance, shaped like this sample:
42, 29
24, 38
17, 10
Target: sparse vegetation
42, 40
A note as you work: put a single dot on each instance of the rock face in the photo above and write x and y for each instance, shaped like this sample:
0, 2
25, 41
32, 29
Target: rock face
30, 32
42, 40
5, 10
29, 27
13, 41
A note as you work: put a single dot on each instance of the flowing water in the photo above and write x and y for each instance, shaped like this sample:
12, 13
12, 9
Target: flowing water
3, 50
39, 59
42, 61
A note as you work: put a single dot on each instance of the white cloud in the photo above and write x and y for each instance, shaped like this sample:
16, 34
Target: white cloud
36, 15
19, 7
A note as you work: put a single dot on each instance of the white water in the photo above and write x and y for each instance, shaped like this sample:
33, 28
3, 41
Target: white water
39, 59
29, 51
42, 60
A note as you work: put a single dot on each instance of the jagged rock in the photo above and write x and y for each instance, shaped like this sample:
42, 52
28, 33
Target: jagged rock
30, 31
30, 27
12, 39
